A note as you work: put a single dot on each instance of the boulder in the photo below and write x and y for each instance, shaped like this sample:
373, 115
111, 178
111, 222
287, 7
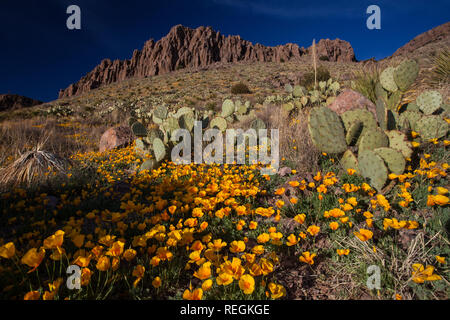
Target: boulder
349, 100
115, 137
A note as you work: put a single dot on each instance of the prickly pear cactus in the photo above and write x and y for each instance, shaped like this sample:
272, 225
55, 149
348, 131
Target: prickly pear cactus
139, 130
432, 127
159, 149
412, 106
373, 139
387, 79
288, 88
219, 123
429, 101
288, 107
381, 113
186, 121
183, 111
373, 168
399, 141
365, 116
227, 108
299, 91
160, 112
405, 74
242, 109
326, 130
349, 161
380, 92
258, 124
393, 158
171, 124
157, 120
408, 119
149, 165
353, 132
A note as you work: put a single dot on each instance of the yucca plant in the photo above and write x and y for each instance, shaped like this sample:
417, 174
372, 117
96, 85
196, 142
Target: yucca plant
32, 167
441, 68
365, 82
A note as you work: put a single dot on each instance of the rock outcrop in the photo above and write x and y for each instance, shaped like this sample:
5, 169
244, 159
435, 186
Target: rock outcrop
436, 34
115, 137
15, 101
184, 47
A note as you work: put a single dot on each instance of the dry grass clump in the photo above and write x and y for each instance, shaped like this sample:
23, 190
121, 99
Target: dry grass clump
296, 146
62, 138
33, 167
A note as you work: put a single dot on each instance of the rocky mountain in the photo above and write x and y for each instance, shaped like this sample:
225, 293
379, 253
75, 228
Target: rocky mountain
15, 101
436, 34
184, 47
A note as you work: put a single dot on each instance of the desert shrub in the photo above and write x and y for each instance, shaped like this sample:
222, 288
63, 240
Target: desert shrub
211, 106
365, 81
240, 88
324, 58
308, 78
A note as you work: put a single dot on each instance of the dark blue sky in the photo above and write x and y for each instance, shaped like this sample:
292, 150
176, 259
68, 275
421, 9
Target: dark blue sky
39, 55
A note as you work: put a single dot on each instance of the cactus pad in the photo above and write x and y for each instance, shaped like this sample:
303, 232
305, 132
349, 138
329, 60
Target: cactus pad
365, 116
429, 101
409, 119
182, 111
398, 141
160, 112
149, 165
326, 130
171, 124
219, 123
349, 161
412, 106
299, 91
139, 130
431, 127
159, 149
381, 113
258, 124
387, 80
373, 139
354, 132
242, 109
288, 107
373, 168
227, 108
380, 92
405, 74
186, 121
393, 158
157, 120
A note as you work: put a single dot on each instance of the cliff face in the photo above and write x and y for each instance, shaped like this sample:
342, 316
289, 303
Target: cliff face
14, 101
184, 47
